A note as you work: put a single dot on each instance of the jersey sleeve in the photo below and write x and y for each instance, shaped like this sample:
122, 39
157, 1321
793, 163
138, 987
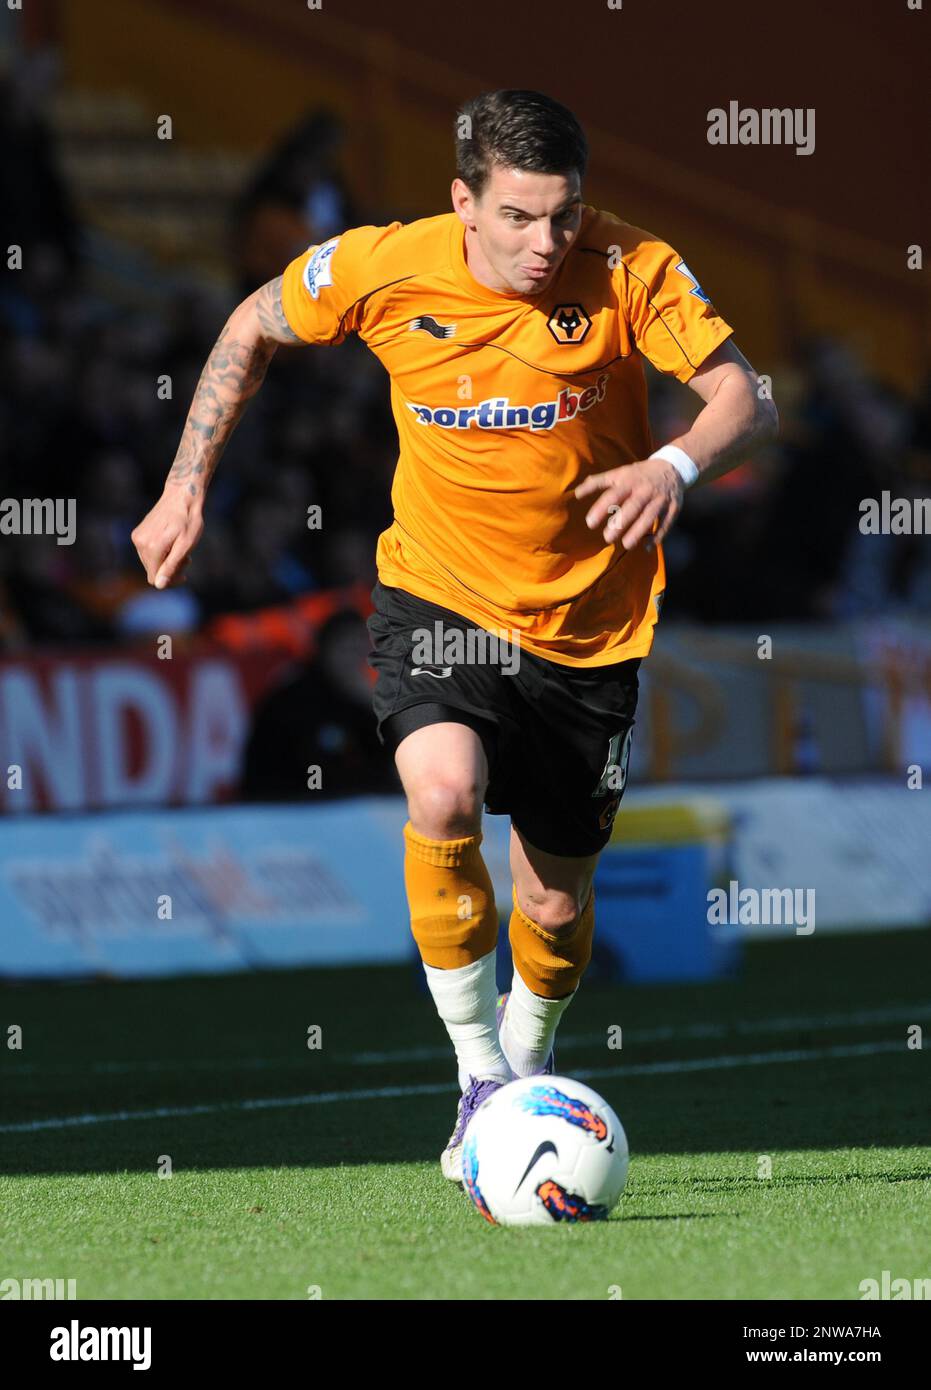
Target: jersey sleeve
324, 290
673, 322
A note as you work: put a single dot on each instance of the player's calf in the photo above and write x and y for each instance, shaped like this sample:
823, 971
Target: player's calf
550, 957
454, 920
553, 947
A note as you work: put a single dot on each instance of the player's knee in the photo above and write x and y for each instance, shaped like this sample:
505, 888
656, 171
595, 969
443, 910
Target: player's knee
551, 941
446, 808
555, 911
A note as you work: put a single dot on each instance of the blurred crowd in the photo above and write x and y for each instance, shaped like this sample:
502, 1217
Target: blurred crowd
779, 538
82, 415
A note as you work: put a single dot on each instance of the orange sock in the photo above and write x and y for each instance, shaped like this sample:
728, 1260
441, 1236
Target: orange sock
551, 964
452, 902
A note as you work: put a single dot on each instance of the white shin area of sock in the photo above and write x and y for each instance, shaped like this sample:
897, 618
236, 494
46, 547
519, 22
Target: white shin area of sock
465, 1000
529, 1027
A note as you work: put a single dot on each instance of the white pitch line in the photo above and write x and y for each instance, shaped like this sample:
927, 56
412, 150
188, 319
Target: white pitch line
572, 1042
676, 1032
691, 1064
214, 1108
745, 1059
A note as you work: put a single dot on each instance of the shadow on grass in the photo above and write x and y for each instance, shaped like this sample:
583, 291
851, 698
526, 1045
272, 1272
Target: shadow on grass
216, 1044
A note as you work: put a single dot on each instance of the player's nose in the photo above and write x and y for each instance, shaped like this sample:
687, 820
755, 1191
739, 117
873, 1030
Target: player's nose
543, 243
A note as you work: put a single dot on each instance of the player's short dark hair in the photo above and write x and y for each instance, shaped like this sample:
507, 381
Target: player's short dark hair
519, 130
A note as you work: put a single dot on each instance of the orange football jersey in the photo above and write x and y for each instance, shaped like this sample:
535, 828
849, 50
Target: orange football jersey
503, 404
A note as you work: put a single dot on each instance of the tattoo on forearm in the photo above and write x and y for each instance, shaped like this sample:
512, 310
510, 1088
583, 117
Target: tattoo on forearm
232, 375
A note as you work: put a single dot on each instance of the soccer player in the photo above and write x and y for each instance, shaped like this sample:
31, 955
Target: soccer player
521, 580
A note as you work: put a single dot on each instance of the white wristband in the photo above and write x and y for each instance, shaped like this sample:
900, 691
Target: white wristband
684, 466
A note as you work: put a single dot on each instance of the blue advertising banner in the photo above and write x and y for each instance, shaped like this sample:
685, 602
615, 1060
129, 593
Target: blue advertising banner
139, 893
160, 893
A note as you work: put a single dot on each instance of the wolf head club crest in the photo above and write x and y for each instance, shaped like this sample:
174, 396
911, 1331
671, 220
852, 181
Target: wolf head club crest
569, 323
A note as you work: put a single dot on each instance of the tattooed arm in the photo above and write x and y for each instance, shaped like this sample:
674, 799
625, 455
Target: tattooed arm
233, 374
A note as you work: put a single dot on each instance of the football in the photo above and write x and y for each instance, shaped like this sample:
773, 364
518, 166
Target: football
544, 1150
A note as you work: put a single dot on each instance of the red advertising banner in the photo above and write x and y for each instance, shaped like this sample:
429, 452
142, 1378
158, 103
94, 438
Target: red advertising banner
160, 725
89, 731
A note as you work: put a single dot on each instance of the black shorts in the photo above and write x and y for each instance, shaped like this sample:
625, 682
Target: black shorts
557, 738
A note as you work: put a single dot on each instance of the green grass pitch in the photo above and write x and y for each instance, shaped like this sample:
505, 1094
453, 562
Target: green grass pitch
303, 1172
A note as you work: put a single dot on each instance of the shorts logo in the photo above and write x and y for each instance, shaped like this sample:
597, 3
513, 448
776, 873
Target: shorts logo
614, 776
319, 270
497, 413
427, 324
569, 323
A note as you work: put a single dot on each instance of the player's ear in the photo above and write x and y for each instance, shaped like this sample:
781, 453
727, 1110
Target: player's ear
463, 202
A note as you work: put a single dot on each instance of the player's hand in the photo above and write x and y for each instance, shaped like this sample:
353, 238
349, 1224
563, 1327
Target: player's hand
165, 538
636, 503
